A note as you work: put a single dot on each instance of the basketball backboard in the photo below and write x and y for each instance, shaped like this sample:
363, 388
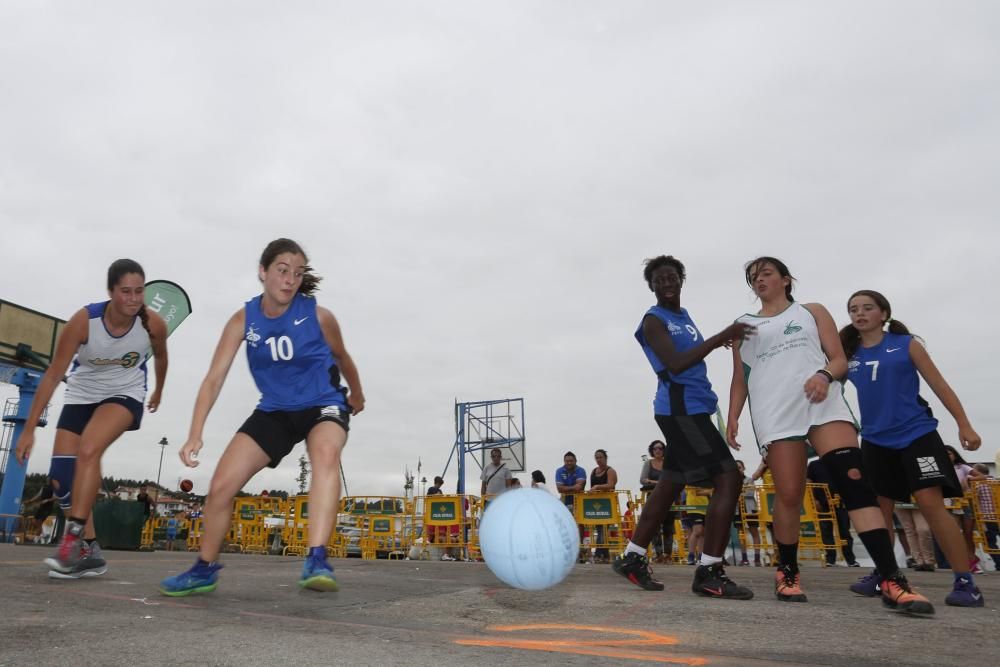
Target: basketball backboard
492, 425
26, 327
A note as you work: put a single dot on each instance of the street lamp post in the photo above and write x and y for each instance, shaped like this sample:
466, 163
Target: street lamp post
163, 445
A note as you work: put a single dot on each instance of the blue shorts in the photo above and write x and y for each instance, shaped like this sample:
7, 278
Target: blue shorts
75, 417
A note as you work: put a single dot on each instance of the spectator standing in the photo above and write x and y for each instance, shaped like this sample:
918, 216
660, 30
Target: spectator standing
436, 489
538, 481
965, 472
603, 479
570, 479
750, 519
663, 537
496, 475
817, 473
988, 510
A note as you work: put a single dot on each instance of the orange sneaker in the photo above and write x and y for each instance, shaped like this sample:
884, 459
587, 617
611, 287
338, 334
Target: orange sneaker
786, 585
899, 596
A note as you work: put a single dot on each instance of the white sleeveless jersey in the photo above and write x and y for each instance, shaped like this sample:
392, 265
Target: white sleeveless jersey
777, 361
106, 365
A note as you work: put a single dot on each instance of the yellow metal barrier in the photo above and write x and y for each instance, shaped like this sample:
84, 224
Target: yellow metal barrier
601, 522
984, 498
811, 546
450, 525
295, 532
375, 525
194, 534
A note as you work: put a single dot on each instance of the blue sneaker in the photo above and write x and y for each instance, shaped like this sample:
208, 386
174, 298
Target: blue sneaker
965, 594
199, 579
869, 585
317, 575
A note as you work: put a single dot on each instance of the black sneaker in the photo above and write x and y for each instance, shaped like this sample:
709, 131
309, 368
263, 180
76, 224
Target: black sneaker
711, 581
635, 568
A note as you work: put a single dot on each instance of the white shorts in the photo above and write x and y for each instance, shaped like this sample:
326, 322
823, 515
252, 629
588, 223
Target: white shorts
791, 418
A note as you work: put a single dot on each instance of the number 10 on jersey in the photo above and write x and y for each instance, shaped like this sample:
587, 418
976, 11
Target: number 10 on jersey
281, 348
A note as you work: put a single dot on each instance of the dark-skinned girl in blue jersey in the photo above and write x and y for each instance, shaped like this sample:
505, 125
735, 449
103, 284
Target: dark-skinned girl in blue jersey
696, 452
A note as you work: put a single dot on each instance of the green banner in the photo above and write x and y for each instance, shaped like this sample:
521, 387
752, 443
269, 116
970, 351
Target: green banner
168, 300
382, 526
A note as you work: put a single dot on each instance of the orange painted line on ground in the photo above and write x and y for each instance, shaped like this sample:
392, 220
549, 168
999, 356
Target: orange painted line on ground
639, 637
610, 653
605, 648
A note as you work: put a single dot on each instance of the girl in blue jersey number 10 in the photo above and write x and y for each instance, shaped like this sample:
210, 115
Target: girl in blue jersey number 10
903, 453
296, 355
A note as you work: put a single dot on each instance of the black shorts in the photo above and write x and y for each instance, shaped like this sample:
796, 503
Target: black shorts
696, 451
923, 464
690, 520
75, 417
278, 432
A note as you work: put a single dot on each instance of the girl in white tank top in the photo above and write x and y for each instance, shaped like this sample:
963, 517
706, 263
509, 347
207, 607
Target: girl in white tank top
105, 389
790, 372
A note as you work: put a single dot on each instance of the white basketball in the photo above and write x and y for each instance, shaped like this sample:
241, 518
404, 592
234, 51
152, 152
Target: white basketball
529, 539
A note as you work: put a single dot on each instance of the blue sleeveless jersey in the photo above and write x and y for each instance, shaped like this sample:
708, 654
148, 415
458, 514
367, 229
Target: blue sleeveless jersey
892, 412
686, 393
290, 360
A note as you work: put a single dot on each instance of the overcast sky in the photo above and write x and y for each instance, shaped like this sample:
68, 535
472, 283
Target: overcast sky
479, 183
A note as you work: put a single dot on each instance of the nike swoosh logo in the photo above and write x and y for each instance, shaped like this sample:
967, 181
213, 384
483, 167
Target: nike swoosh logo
298, 322
891, 349
714, 591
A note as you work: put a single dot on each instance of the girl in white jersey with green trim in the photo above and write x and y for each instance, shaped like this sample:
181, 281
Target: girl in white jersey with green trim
791, 371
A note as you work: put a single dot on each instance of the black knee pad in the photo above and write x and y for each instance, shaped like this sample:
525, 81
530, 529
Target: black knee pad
61, 471
846, 469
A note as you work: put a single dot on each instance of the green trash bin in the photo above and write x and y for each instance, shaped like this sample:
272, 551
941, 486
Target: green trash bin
118, 523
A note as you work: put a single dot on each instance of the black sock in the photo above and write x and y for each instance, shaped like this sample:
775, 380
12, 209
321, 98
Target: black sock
879, 546
202, 562
91, 541
788, 555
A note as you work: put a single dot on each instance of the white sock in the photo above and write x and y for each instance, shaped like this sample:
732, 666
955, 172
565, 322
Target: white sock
634, 548
709, 560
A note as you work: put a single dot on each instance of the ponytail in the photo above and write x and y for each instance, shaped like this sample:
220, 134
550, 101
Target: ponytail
850, 338
897, 327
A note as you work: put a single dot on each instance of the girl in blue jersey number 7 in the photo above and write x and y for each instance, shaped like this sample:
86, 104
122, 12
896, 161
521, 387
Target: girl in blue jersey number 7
296, 355
902, 450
